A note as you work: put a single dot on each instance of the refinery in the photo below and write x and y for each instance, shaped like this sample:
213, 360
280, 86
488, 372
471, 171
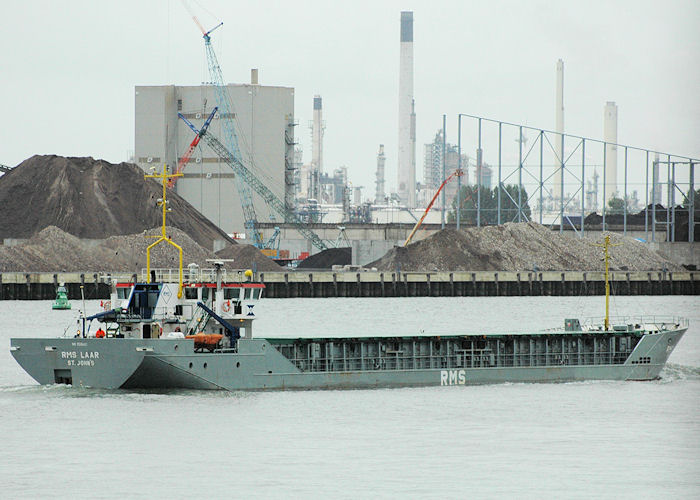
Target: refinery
242, 178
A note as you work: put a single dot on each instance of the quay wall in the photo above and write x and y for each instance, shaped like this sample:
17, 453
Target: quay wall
42, 286
476, 284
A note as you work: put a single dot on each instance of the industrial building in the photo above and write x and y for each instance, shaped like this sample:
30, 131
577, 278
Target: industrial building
264, 117
432, 168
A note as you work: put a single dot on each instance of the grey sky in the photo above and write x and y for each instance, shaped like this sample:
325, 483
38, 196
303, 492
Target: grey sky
69, 69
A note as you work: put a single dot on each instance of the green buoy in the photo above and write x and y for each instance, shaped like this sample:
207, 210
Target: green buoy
61, 301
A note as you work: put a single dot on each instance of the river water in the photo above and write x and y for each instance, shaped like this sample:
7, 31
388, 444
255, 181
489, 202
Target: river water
570, 440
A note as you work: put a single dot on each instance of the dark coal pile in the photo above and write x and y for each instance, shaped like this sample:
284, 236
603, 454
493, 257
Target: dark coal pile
680, 216
328, 258
91, 198
517, 247
248, 257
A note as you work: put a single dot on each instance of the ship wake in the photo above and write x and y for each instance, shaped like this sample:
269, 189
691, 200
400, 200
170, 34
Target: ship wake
672, 372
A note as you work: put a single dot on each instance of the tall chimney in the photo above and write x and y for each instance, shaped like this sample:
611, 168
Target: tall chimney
557, 178
380, 193
406, 157
317, 146
610, 137
655, 193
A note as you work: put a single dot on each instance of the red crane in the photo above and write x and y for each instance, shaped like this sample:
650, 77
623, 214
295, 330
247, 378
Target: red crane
184, 160
456, 173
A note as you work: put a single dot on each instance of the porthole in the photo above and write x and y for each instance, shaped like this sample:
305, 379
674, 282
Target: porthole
205, 366
190, 365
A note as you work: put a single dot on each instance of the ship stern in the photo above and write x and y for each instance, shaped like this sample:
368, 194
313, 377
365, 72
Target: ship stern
99, 363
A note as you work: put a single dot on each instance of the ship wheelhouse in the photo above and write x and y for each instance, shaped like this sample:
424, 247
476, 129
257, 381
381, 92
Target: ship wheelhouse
221, 311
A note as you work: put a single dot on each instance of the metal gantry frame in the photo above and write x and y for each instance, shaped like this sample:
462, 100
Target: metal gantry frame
569, 166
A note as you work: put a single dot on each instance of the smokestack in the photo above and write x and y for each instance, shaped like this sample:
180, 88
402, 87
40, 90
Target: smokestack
557, 191
380, 194
610, 137
254, 76
655, 194
406, 158
317, 146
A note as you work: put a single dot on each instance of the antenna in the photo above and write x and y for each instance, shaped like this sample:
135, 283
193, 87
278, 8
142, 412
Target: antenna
606, 244
163, 202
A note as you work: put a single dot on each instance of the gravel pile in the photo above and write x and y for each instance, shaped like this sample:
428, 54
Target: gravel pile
518, 247
91, 198
250, 256
54, 250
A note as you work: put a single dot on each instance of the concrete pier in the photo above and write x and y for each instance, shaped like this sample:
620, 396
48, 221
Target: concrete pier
42, 286
475, 284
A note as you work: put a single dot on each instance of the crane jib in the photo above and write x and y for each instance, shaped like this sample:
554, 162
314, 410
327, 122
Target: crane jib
244, 178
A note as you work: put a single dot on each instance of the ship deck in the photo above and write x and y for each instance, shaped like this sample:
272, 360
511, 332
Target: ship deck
458, 351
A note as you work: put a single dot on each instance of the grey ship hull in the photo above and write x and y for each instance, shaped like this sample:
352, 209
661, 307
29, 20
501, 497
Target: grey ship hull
259, 364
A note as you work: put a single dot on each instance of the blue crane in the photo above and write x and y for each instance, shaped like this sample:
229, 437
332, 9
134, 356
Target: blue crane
226, 115
242, 172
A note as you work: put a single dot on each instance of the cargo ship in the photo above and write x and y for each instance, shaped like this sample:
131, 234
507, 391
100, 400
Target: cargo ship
197, 333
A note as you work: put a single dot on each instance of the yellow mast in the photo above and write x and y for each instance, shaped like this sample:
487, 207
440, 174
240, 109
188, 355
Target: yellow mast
163, 202
605, 247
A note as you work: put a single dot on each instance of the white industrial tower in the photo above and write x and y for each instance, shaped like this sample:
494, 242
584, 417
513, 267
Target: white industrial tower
380, 193
557, 191
610, 137
655, 193
407, 146
317, 129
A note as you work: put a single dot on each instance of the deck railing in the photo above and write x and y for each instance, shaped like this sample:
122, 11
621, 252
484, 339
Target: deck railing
481, 360
660, 321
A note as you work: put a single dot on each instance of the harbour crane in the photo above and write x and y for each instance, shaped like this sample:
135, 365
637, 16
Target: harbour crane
456, 173
244, 178
244, 174
188, 154
223, 100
